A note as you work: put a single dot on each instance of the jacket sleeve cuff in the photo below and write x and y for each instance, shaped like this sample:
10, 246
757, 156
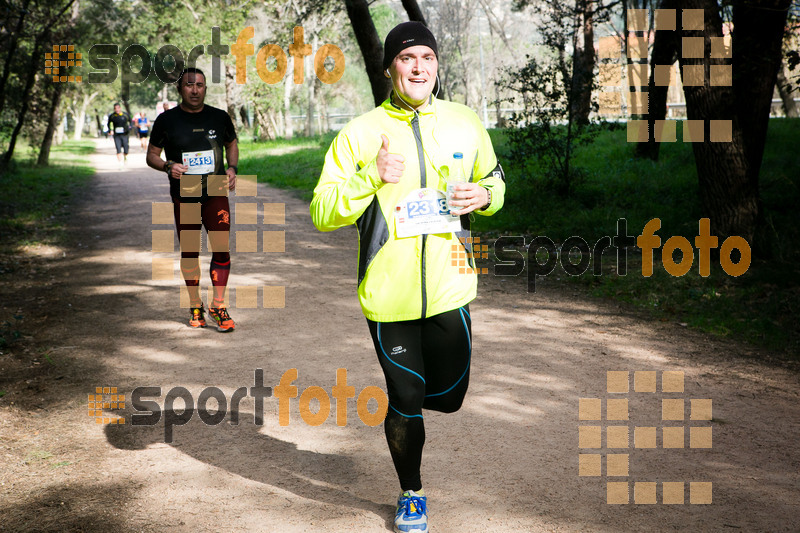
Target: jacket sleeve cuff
371, 174
498, 189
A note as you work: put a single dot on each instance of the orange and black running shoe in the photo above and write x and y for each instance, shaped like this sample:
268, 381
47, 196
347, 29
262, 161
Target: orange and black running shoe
198, 320
224, 320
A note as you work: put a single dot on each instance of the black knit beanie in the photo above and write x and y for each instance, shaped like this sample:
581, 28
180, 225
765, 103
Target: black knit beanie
404, 36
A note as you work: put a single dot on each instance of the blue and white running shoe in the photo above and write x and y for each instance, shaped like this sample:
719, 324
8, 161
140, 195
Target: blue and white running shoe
412, 513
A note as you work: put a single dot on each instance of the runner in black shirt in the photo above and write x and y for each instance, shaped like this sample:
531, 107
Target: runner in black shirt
119, 124
193, 136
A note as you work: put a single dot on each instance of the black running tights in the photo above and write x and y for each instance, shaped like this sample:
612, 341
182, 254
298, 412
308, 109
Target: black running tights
426, 365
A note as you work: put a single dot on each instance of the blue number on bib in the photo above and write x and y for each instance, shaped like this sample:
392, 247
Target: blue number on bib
424, 208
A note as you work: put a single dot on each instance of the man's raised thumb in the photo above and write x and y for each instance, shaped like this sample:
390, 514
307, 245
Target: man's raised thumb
385, 142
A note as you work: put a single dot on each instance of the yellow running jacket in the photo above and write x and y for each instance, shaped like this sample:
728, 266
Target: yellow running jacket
412, 277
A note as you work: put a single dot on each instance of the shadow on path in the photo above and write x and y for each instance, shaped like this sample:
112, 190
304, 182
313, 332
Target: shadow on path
321, 477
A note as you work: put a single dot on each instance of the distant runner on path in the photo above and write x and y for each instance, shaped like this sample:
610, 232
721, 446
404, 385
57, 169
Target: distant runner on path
119, 125
143, 128
386, 172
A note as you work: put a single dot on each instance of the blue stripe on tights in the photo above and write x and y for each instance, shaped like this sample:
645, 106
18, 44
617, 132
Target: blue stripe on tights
403, 414
469, 359
390, 359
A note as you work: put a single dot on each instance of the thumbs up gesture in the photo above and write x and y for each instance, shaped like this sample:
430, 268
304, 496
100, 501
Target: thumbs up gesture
390, 166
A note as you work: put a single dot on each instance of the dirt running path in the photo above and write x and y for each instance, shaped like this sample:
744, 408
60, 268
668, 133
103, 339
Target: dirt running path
508, 461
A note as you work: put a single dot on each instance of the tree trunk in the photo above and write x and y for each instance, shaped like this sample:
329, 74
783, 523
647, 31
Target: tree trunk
80, 116
725, 194
665, 52
756, 52
288, 127
500, 121
127, 105
465, 77
757, 41
626, 36
413, 11
230, 87
61, 128
52, 123
785, 90
310, 110
33, 68
322, 103
371, 48
244, 117
12, 48
312, 96
80, 123
277, 128
444, 79
583, 67
279, 123
265, 130
99, 125
728, 171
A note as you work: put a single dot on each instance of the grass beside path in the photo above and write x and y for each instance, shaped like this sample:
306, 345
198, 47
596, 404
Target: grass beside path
33, 203
293, 164
760, 307
34, 197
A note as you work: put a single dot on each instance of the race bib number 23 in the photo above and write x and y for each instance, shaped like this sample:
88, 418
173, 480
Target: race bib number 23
424, 211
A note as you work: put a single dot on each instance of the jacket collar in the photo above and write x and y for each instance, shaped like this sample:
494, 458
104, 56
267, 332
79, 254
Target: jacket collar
403, 113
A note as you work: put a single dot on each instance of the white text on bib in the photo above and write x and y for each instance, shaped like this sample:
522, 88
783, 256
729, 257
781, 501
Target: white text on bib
424, 211
199, 162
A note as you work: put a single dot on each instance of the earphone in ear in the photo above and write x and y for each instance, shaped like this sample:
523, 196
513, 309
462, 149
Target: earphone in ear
387, 73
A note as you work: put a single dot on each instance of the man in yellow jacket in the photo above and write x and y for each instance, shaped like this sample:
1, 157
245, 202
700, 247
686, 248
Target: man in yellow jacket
387, 172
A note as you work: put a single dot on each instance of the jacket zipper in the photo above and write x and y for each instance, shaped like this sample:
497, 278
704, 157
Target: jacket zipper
422, 183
